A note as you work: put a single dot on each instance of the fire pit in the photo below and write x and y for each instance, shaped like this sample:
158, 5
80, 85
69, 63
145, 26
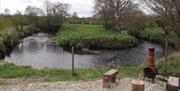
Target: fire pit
150, 71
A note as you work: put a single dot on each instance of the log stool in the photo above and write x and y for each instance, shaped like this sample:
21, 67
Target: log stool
137, 85
173, 84
108, 77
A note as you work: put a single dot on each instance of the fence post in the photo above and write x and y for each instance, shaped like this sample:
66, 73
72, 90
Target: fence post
73, 61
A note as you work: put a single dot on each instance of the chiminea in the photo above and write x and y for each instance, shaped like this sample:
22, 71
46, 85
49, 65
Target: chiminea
150, 71
151, 57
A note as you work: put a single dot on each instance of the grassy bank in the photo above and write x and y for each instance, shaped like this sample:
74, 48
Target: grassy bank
12, 71
154, 34
9, 37
173, 65
93, 36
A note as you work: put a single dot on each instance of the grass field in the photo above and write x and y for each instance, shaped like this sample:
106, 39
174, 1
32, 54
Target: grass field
78, 34
12, 71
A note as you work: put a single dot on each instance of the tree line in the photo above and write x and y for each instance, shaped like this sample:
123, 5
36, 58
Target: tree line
115, 15
50, 18
118, 15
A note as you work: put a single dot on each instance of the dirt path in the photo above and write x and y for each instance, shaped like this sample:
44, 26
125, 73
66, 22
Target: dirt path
30, 85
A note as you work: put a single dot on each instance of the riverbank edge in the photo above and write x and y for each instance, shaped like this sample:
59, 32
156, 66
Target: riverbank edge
11, 38
74, 35
155, 35
11, 71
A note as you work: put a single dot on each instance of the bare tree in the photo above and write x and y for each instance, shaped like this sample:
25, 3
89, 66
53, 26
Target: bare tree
55, 15
135, 20
6, 12
74, 15
169, 11
18, 20
175, 14
113, 12
32, 13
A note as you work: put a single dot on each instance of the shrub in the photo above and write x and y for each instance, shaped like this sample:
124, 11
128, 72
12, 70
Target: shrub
173, 66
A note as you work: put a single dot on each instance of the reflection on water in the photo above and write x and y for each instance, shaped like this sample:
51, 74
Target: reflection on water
128, 57
37, 52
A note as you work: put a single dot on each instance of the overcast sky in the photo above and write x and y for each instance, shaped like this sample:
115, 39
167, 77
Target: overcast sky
84, 8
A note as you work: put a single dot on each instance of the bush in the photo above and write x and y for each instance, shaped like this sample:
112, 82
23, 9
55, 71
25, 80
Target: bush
2, 47
173, 66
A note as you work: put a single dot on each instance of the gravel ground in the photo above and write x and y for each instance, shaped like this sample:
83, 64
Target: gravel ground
121, 85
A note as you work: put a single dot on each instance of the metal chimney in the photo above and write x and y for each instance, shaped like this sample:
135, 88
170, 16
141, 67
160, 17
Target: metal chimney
151, 54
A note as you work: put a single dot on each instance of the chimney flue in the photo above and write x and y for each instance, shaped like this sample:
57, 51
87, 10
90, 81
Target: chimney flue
151, 57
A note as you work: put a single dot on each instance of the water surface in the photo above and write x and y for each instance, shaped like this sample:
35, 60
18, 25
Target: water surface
37, 51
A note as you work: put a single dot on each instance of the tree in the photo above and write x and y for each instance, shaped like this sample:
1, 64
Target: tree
18, 20
55, 16
112, 12
6, 12
135, 20
169, 11
75, 15
32, 13
175, 14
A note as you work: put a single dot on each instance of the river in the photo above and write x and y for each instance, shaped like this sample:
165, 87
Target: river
37, 52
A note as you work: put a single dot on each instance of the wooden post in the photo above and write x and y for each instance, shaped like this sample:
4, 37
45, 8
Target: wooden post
137, 85
73, 61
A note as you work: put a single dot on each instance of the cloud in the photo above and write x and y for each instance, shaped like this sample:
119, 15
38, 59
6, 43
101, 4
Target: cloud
84, 8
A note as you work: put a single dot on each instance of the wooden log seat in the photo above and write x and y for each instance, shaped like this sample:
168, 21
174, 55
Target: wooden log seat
172, 84
109, 77
137, 85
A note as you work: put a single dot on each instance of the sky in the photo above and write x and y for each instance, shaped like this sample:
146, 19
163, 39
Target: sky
84, 8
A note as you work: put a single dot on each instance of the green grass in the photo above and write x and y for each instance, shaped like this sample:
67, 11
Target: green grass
78, 34
156, 32
12, 71
10, 36
173, 65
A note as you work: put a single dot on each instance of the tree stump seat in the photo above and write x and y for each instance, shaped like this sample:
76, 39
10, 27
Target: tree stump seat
172, 84
109, 77
137, 85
